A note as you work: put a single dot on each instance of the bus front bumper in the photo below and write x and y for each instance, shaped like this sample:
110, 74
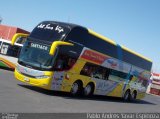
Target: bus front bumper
43, 82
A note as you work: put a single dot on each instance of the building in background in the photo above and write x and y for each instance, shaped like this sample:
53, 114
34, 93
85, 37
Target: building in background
6, 34
154, 86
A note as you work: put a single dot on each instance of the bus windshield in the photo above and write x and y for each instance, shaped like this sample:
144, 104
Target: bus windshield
36, 55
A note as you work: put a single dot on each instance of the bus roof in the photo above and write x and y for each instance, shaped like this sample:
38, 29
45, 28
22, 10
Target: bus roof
104, 38
72, 26
69, 25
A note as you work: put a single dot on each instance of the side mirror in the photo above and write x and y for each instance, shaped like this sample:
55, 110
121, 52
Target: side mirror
18, 35
58, 43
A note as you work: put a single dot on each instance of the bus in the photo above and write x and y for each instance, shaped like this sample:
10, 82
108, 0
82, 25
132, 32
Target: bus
71, 58
7, 49
6, 34
154, 86
9, 54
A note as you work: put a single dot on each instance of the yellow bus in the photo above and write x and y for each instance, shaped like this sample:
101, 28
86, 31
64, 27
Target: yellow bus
71, 58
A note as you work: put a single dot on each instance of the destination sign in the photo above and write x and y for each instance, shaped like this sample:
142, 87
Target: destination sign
39, 46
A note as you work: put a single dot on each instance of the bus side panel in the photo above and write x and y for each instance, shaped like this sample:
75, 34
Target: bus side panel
63, 80
118, 91
111, 87
68, 82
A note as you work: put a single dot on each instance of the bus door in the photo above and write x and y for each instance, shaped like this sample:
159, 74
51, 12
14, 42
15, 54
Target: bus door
62, 65
58, 77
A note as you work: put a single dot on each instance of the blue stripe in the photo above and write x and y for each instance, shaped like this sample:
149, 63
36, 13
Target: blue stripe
120, 59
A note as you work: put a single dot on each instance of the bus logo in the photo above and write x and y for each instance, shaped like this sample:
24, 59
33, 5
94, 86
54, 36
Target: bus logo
112, 63
93, 56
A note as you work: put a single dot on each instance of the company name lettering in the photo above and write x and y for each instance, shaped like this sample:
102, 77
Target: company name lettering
57, 28
39, 46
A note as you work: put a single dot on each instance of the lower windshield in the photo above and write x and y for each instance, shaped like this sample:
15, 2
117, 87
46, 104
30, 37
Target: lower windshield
36, 55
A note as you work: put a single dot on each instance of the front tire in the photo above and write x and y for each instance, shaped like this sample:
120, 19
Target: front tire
133, 96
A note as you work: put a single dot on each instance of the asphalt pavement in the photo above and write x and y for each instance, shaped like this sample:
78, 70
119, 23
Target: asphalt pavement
17, 97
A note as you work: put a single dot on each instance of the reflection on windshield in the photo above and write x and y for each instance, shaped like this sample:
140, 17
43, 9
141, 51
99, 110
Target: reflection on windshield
36, 55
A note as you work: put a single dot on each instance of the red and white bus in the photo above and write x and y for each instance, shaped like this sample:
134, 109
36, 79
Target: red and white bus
154, 86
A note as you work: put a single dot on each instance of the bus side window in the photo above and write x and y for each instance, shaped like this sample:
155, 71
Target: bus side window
95, 71
120, 74
102, 73
107, 73
130, 77
145, 83
64, 63
21, 40
4, 48
85, 70
71, 62
99, 73
60, 63
88, 70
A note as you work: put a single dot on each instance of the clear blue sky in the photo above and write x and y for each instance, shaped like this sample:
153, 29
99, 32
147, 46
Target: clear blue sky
132, 23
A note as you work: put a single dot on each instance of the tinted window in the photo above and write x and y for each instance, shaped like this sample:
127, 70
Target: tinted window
72, 51
21, 40
4, 48
137, 61
13, 51
119, 74
78, 36
49, 32
95, 71
101, 46
81, 36
64, 62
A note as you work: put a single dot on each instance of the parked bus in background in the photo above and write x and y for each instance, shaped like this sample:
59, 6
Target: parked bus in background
154, 86
7, 49
6, 34
71, 58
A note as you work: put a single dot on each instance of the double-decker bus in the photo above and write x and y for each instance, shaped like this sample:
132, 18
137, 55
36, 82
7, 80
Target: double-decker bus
71, 58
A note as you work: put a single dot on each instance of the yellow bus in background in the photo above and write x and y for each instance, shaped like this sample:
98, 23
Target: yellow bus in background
71, 58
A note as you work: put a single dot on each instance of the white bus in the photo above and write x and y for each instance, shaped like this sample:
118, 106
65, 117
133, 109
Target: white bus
7, 49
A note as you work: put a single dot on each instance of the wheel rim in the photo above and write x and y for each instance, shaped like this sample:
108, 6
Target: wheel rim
126, 96
133, 96
75, 87
87, 90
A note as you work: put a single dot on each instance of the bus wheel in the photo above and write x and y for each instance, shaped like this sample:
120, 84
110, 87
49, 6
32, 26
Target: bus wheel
133, 96
126, 96
88, 90
76, 88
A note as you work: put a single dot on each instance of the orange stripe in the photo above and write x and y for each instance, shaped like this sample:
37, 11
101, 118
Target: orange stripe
4, 63
10, 64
